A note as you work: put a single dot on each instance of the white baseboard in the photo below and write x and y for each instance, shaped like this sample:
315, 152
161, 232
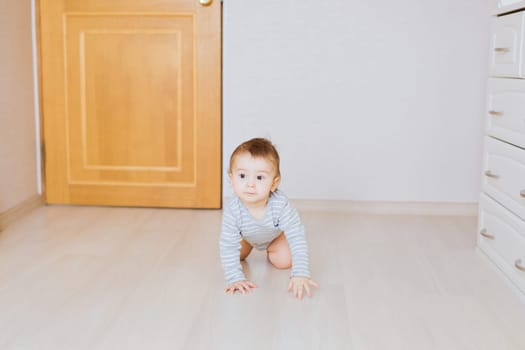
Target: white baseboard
10, 215
387, 208
384, 207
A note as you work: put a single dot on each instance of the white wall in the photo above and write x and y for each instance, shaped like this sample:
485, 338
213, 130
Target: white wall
366, 100
17, 119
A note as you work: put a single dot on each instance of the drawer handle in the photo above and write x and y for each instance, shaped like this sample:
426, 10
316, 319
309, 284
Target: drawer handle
522, 193
489, 173
519, 266
485, 234
501, 49
495, 113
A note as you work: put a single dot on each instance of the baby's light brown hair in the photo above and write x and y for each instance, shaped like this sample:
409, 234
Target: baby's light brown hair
258, 148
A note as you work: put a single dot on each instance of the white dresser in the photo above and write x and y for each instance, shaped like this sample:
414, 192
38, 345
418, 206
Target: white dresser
501, 234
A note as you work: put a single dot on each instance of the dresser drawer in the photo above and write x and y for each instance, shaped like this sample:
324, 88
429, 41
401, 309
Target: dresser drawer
503, 6
501, 237
504, 175
506, 110
506, 57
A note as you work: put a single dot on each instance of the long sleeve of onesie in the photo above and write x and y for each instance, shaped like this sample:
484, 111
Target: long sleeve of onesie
290, 223
230, 246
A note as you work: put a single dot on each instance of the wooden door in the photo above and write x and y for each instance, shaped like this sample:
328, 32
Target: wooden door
131, 99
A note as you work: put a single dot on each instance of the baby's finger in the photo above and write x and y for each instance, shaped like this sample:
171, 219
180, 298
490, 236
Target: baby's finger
307, 289
246, 287
251, 284
300, 293
313, 283
290, 285
295, 290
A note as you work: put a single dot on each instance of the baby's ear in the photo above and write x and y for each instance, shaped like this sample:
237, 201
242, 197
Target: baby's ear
275, 183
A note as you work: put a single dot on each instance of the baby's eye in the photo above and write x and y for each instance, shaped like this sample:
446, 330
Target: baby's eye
242, 176
260, 177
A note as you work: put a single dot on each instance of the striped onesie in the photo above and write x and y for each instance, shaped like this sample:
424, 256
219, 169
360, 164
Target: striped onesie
238, 223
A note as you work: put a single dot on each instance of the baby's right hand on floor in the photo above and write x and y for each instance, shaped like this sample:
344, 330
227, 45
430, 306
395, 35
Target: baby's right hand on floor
241, 286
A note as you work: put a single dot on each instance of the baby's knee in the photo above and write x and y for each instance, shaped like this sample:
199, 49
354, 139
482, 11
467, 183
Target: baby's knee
280, 260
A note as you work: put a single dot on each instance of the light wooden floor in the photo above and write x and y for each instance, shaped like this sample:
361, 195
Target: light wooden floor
122, 278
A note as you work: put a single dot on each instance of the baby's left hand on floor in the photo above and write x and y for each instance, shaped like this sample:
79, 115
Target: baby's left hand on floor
297, 284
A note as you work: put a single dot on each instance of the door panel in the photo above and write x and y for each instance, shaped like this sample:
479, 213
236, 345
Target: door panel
131, 99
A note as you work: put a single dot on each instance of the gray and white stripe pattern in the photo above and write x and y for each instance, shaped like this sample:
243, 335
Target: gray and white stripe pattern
238, 223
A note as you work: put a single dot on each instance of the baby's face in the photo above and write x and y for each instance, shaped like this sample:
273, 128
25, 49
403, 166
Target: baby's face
253, 179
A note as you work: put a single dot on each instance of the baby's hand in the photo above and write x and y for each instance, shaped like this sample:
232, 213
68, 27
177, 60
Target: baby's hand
241, 286
297, 284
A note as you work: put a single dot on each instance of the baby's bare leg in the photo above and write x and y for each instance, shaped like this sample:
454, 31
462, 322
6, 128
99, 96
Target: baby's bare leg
246, 249
279, 252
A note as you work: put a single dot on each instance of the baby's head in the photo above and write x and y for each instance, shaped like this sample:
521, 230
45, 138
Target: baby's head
258, 148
